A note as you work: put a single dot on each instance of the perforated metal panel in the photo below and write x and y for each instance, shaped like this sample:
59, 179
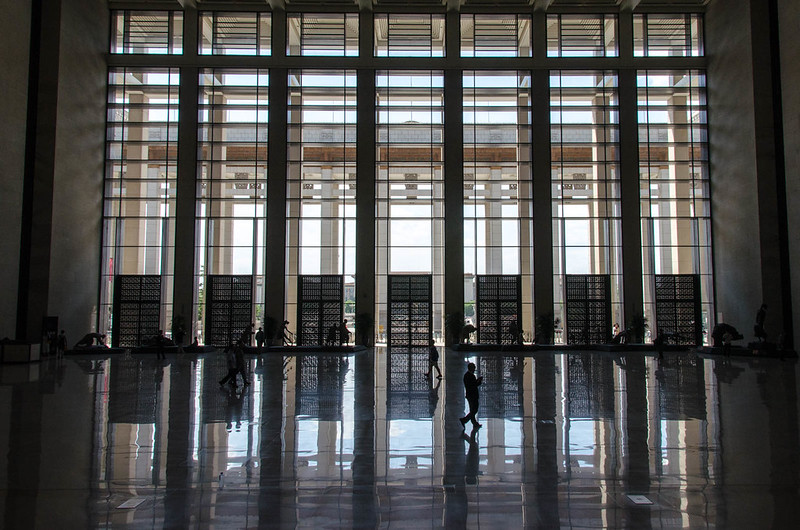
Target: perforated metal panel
588, 301
409, 392
499, 304
137, 309
228, 308
590, 393
320, 305
678, 314
409, 310
320, 382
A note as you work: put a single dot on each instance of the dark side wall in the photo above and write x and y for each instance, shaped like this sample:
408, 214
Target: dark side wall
751, 261
14, 41
789, 18
78, 179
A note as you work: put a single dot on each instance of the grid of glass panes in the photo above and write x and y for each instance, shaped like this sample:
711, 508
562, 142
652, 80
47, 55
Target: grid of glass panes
674, 35
495, 36
410, 184
223, 33
584, 140
148, 32
498, 212
332, 34
321, 180
673, 170
232, 181
582, 36
140, 181
405, 35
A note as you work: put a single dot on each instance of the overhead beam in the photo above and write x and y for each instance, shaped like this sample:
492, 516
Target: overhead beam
542, 5
277, 4
629, 5
364, 5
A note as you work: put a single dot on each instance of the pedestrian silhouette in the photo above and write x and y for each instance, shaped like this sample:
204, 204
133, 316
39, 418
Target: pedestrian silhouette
471, 384
433, 361
760, 332
260, 339
344, 333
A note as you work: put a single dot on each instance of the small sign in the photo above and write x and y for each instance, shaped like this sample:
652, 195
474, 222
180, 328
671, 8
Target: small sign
640, 499
131, 503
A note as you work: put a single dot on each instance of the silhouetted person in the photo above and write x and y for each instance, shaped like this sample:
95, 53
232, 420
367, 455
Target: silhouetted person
720, 330
433, 361
61, 344
758, 329
466, 331
160, 341
332, 336
344, 333
283, 333
89, 340
260, 339
471, 384
247, 335
241, 365
233, 365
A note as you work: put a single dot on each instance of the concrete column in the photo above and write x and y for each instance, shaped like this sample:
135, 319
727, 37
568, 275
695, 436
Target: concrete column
185, 203
453, 174
38, 175
276, 177
365, 185
632, 286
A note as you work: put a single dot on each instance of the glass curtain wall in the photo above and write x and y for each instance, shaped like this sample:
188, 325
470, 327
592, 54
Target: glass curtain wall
674, 183
410, 185
232, 182
584, 139
321, 180
140, 182
498, 210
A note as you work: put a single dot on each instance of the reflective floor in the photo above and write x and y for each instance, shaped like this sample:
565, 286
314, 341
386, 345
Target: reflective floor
568, 440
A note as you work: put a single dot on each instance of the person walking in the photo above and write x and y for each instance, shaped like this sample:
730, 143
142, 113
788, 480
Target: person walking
160, 341
260, 339
471, 384
230, 358
61, 344
433, 361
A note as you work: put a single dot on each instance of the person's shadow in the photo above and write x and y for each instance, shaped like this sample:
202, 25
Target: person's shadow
234, 407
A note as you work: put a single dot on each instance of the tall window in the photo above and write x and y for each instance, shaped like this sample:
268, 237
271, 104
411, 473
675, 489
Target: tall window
410, 184
498, 224
402, 35
140, 181
667, 35
321, 180
495, 36
673, 170
582, 36
584, 139
334, 34
232, 180
224, 33
147, 32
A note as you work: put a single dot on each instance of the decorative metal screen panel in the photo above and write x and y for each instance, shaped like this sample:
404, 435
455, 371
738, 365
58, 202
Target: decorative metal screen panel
499, 305
410, 395
132, 392
137, 309
591, 387
409, 310
678, 314
681, 389
588, 298
319, 306
501, 390
228, 308
320, 382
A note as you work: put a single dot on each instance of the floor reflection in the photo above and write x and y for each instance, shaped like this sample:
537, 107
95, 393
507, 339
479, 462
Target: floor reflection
366, 440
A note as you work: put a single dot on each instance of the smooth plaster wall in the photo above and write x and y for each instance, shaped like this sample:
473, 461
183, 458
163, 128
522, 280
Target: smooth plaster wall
15, 25
789, 21
734, 206
78, 179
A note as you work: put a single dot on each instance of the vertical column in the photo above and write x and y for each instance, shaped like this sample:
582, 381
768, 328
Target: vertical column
365, 187
276, 176
176, 512
183, 288
546, 441
453, 173
542, 189
39, 172
638, 468
632, 290
365, 505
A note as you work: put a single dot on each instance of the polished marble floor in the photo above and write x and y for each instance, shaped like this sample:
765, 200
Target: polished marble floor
569, 440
